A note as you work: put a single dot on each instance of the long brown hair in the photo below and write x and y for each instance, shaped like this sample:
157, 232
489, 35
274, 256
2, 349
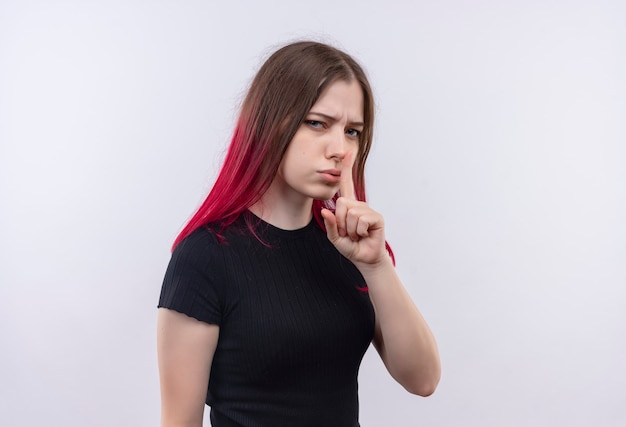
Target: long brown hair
281, 95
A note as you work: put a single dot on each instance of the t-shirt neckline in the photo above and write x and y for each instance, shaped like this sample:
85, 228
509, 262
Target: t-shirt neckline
265, 227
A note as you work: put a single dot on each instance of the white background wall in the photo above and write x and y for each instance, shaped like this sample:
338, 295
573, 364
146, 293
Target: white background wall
499, 164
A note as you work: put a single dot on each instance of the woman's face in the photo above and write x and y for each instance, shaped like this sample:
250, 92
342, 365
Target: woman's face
311, 166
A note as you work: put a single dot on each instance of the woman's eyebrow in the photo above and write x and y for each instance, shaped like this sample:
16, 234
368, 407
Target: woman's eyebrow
335, 119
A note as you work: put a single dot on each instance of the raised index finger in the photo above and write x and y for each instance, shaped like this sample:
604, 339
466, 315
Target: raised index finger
346, 184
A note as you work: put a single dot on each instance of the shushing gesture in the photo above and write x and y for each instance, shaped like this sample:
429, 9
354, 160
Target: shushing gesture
356, 230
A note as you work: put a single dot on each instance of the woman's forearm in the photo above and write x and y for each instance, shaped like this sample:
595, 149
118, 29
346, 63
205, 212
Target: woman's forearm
403, 338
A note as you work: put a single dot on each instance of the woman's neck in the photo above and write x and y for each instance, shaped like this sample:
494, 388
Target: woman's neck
283, 213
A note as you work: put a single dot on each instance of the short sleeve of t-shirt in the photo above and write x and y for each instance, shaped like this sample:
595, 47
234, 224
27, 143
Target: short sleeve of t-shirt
191, 281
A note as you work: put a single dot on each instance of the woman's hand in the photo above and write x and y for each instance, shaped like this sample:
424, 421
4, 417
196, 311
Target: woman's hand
356, 230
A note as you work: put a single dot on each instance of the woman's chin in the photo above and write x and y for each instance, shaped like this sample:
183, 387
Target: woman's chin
324, 197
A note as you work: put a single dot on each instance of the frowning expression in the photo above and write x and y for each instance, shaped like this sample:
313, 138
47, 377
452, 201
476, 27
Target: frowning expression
311, 166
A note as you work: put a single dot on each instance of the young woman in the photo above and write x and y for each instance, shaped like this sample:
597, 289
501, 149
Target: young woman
282, 278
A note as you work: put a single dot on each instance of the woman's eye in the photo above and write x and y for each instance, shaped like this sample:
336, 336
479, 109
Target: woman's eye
314, 123
354, 133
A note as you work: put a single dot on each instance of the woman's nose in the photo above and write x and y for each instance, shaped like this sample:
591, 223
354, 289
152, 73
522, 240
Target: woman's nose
337, 144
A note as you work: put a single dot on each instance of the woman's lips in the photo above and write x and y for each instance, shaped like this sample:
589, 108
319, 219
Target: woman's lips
330, 175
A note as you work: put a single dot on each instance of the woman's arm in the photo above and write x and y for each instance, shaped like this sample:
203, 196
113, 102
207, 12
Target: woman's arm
402, 337
185, 349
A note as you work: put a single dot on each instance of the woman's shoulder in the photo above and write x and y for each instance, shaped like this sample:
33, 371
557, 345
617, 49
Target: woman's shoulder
213, 237
201, 236
199, 247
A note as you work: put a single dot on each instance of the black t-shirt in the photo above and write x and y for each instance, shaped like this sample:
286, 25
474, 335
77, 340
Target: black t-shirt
295, 320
